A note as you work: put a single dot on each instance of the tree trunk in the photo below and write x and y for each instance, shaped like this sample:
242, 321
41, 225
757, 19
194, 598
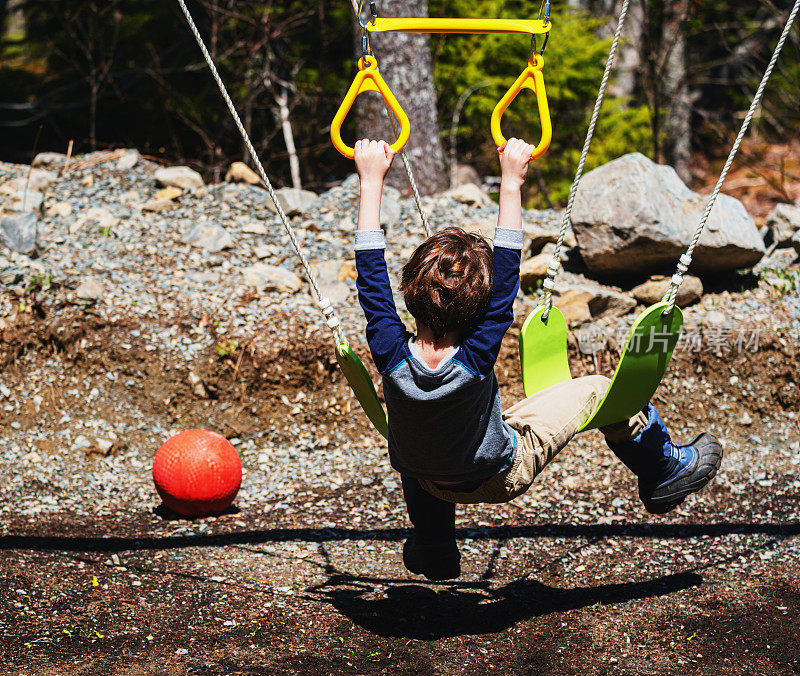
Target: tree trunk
629, 64
405, 62
678, 122
628, 61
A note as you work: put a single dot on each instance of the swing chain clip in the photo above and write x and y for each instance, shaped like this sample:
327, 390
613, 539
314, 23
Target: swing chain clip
540, 52
546, 35
366, 38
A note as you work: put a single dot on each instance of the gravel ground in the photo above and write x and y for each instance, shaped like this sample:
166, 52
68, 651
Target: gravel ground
304, 575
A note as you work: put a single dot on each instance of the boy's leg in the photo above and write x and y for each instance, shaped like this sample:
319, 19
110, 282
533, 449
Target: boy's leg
548, 420
431, 551
667, 472
434, 520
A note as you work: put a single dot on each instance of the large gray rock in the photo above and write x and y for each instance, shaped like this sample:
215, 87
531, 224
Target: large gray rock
633, 216
179, 177
18, 232
782, 224
293, 201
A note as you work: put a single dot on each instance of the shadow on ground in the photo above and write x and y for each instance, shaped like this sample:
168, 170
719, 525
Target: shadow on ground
69, 543
439, 611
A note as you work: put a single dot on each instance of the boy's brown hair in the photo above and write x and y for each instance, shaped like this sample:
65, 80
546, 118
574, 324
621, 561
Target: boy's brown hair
447, 282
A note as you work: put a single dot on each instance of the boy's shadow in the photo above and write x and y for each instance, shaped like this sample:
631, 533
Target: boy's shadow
454, 609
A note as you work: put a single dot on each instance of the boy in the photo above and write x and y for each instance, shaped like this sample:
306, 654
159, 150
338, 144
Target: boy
447, 435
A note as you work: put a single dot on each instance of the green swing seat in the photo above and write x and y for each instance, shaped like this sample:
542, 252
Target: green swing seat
362, 386
648, 349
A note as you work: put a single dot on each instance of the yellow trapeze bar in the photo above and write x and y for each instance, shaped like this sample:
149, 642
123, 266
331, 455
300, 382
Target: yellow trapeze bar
439, 25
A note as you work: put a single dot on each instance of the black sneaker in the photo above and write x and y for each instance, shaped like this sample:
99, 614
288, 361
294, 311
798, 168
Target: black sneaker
435, 562
697, 464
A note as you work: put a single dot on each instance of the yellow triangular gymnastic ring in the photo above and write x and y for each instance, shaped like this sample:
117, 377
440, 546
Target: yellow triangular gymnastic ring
368, 79
531, 78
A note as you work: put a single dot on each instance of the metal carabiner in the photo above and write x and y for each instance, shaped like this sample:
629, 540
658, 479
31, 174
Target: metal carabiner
533, 45
366, 43
366, 38
546, 35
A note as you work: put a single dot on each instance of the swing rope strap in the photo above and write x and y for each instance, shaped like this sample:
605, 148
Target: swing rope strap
366, 42
566, 220
324, 304
686, 259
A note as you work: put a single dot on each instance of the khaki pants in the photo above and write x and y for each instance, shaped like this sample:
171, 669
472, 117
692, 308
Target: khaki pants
545, 423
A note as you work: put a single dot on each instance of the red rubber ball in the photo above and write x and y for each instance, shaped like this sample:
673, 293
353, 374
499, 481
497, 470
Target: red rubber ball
197, 473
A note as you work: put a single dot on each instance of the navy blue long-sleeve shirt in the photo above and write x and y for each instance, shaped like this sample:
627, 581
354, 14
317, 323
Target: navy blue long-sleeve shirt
445, 424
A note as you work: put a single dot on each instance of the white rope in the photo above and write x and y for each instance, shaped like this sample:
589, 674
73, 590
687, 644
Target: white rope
406, 162
555, 263
686, 259
417, 199
324, 304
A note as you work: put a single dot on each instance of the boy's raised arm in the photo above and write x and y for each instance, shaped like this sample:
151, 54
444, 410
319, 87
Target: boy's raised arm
483, 345
386, 333
373, 159
514, 158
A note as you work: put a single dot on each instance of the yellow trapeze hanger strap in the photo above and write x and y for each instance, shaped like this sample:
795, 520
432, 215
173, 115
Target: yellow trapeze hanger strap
369, 79
444, 25
531, 78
